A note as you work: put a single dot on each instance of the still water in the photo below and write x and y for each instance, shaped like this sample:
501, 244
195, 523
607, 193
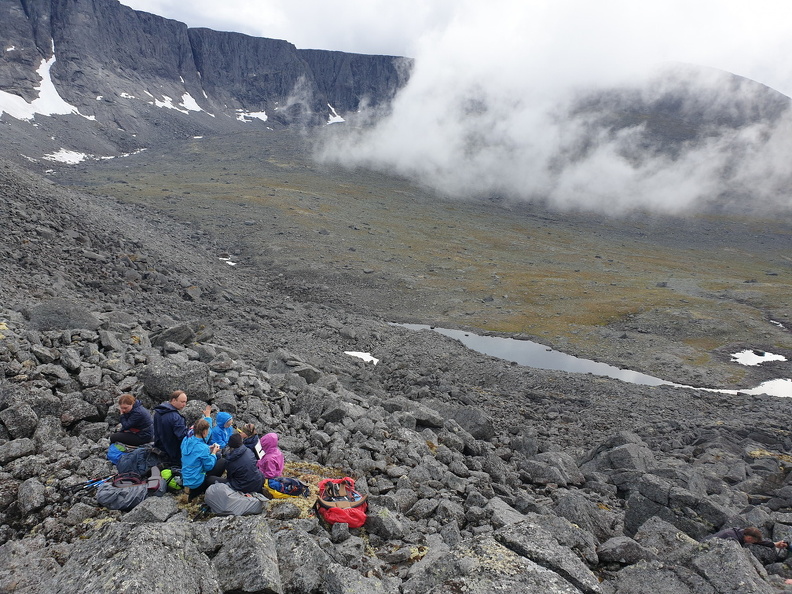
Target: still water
533, 354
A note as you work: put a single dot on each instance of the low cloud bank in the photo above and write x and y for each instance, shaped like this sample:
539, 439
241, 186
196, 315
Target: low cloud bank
507, 111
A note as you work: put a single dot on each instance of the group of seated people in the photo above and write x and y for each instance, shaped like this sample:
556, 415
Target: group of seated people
204, 452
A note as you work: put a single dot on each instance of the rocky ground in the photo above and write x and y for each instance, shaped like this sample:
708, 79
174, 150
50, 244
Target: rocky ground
483, 475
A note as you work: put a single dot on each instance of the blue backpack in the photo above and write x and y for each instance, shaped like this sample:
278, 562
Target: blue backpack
284, 486
115, 452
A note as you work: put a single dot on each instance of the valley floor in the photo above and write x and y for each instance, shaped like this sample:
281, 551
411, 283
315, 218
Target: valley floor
669, 296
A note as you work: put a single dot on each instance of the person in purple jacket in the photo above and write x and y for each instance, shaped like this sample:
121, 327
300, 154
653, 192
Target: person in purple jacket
272, 462
137, 427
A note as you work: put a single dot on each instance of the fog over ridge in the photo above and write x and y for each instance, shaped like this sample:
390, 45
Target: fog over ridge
491, 112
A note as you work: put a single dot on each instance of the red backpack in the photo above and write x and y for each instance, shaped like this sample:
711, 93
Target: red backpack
339, 503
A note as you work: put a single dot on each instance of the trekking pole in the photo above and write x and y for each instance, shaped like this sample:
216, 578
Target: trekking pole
89, 484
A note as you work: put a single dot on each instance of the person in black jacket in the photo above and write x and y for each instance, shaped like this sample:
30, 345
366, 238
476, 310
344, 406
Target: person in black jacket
241, 471
170, 428
250, 438
765, 551
748, 536
136, 425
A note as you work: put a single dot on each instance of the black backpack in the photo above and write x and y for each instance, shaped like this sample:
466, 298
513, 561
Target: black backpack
137, 461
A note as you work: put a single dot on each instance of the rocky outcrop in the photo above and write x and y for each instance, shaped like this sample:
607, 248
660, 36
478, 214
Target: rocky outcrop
137, 77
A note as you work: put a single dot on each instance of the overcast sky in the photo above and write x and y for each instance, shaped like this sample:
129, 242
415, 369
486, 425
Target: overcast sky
480, 115
753, 39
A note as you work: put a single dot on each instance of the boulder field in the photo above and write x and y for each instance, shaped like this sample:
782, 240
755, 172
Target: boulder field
481, 475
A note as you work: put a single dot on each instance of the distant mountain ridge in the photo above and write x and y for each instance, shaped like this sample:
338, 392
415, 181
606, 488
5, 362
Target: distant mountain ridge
136, 77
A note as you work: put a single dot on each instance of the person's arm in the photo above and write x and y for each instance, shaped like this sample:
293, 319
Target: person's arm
133, 421
179, 427
208, 459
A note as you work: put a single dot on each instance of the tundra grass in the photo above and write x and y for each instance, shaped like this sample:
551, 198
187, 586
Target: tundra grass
705, 282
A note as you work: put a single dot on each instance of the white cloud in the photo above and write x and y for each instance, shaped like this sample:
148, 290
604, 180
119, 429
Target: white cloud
483, 113
486, 109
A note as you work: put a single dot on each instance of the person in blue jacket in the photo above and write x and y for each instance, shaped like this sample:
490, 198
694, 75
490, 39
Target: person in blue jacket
200, 462
222, 430
170, 427
137, 427
241, 471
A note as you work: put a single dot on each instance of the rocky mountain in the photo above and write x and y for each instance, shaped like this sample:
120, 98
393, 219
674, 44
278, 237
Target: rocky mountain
126, 78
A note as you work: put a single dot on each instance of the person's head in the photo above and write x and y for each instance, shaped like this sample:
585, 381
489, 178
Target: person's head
125, 403
224, 419
752, 535
269, 442
235, 441
248, 429
178, 399
201, 428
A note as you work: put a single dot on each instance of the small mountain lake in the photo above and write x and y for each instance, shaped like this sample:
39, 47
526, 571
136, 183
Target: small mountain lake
539, 356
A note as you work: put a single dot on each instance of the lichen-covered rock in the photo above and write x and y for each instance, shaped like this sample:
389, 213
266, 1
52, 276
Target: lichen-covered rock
120, 559
481, 566
20, 420
247, 559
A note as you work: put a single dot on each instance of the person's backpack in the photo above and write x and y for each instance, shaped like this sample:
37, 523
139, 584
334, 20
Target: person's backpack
115, 452
138, 461
224, 501
283, 486
127, 489
173, 478
339, 503
124, 492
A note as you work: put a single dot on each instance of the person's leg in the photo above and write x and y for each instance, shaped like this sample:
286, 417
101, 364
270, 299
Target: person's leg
208, 480
219, 468
199, 490
128, 438
211, 480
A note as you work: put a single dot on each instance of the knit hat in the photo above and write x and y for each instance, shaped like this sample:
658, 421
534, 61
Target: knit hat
235, 441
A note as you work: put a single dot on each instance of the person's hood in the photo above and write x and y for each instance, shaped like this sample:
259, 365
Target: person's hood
269, 442
165, 407
222, 419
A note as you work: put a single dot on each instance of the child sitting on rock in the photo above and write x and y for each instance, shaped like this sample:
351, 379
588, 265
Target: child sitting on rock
250, 438
222, 430
272, 462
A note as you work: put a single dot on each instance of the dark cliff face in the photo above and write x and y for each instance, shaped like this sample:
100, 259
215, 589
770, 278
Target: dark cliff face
257, 74
351, 80
137, 77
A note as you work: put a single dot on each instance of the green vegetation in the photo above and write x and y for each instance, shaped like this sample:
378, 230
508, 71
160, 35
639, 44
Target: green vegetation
704, 282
